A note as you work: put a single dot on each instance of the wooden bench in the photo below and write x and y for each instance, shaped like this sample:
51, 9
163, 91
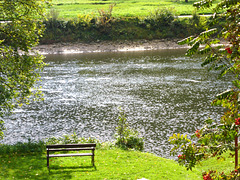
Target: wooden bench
70, 147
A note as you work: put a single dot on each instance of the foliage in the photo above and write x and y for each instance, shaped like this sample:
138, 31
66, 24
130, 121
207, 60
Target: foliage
53, 14
216, 136
126, 137
160, 18
105, 16
19, 32
23, 148
213, 174
88, 28
105, 19
189, 153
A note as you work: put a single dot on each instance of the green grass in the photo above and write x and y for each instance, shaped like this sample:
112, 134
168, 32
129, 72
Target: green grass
226, 164
124, 8
110, 164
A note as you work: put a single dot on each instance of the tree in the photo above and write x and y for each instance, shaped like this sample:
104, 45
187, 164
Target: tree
216, 136
20, 30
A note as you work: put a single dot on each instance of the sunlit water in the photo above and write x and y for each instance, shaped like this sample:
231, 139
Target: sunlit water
162, 92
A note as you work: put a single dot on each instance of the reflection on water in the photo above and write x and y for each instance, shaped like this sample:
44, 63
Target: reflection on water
162, 92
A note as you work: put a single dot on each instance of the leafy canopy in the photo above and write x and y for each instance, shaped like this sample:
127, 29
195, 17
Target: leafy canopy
20, 30
216, 136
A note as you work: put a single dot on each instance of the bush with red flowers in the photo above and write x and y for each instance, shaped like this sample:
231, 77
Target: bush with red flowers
197, 133
228, 49
237, 121
216, 136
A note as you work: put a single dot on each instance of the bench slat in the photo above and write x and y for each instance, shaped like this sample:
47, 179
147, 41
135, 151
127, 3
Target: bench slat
71, 149
71, 145
69, 155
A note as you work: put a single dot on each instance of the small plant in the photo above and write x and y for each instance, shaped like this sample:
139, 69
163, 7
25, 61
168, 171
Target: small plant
1, 129
105, 16
86, 20
160, 18
53, 14
126, 137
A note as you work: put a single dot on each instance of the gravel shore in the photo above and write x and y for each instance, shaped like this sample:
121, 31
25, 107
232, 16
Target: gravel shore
107, 46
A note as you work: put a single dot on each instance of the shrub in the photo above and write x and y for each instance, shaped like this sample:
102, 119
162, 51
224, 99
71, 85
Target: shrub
19, 147
126, 137
105, 16
53, 14
160, 18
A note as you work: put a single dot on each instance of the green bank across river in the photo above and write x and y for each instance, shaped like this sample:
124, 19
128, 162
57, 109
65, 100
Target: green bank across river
69, 9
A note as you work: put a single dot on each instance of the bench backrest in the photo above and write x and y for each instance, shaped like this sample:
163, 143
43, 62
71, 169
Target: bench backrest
71, 145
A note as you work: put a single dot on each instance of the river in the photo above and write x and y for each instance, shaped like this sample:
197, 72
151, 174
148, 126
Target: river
162, 92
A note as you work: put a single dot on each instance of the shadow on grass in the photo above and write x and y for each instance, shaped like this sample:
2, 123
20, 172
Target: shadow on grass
70, 169
35, 167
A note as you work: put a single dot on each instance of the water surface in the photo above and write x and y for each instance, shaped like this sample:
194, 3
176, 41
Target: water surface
162, 92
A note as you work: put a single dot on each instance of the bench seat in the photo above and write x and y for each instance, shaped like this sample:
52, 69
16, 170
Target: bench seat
70, 155
69, 148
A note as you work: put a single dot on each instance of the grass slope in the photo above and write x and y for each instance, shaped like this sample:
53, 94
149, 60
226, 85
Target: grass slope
124, 8
110, 164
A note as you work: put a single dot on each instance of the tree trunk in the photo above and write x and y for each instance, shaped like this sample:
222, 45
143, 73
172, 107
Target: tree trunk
236, 151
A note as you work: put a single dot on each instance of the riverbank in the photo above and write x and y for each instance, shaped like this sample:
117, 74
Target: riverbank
107, 46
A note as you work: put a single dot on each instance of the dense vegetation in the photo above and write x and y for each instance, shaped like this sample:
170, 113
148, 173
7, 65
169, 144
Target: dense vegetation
19, 70
159, 24
217, 135
94, 20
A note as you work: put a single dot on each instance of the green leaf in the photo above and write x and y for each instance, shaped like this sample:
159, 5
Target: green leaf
236, 83
206, 34
209, 121
224, 94
209, 59
194, 48
203, 4
206, 50
186, 40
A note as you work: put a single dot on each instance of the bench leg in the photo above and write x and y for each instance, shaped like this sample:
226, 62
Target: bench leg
48, 160
93, 157
93, 160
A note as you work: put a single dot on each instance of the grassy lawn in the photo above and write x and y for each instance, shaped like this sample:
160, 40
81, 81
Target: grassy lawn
124, 8
110, 164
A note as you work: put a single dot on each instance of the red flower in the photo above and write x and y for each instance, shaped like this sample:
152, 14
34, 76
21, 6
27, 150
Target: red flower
237, 121
197, 133
207, 177
181, 156
228, 50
